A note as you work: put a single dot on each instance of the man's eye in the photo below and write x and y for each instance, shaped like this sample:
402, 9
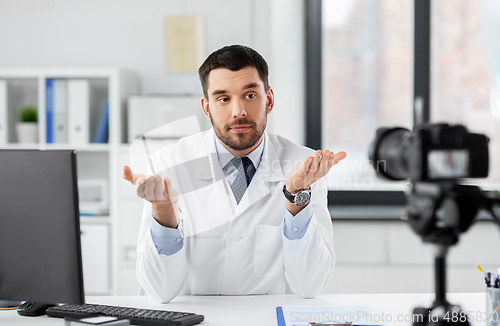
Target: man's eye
223, 99
251, 96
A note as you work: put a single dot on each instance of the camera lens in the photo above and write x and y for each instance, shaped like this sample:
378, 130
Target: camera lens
431, 153
389, 153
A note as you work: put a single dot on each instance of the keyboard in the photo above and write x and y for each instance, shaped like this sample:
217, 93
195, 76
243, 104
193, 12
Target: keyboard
136, 316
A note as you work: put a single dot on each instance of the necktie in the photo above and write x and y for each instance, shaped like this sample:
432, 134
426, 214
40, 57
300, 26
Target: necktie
249, 169
245, 173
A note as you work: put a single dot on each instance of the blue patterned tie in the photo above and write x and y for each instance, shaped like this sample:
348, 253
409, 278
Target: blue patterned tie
246, 171
249, 169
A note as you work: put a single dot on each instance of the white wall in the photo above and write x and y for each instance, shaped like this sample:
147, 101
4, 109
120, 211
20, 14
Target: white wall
287, 69
130, 34
372, 256
388, 257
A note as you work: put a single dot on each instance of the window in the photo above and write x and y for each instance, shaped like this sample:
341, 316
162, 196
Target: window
367, 82
459, 76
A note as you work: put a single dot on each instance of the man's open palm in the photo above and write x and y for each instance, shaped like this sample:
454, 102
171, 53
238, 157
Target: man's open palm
312, 169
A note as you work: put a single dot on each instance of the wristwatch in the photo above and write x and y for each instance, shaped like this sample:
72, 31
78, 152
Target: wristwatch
300, 198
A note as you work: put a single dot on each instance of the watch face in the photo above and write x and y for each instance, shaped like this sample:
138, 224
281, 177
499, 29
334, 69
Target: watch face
302, 198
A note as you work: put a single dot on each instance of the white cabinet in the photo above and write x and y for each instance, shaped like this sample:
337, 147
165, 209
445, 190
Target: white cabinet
95, 257
102, 248
127, 231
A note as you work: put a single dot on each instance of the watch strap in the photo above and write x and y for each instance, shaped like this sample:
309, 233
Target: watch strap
291, 197
288, 195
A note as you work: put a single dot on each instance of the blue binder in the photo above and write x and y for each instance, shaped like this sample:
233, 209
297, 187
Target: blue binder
280, 317
101, 135
49, 108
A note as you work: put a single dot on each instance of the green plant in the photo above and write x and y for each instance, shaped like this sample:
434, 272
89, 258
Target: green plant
28, 113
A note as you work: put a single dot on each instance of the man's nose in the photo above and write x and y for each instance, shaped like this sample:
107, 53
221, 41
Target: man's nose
239, 110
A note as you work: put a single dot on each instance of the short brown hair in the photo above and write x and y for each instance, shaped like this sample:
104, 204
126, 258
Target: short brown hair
233, 57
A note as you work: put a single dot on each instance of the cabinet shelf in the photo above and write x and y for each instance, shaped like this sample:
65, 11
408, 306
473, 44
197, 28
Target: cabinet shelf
95, 219
78, 148
104, 90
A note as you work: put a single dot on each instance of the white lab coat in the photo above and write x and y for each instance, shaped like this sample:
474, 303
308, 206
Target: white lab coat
232, 249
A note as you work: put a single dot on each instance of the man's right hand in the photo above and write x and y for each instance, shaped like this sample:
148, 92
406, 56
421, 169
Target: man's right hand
159, 193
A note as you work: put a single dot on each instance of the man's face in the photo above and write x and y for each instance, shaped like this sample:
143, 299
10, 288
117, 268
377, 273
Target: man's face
237, 106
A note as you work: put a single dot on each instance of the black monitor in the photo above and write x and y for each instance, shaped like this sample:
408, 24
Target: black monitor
40, 250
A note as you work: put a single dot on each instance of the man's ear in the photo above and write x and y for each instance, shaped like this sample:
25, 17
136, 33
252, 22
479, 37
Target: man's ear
269, 100
204, 107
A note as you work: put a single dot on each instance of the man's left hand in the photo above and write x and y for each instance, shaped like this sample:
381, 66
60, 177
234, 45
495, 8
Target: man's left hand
312, 169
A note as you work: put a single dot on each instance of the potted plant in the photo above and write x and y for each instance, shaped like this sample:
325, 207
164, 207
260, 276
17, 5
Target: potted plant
27, 127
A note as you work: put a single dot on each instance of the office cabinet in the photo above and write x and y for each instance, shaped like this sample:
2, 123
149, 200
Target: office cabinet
84, 109
95, 257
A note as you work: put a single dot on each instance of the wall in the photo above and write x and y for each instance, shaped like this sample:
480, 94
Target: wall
129, 34
372, 256
388, 257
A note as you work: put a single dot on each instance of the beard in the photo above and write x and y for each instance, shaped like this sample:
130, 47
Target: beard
238, 141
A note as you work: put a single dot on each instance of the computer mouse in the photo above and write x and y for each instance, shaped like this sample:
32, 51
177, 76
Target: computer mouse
33, 309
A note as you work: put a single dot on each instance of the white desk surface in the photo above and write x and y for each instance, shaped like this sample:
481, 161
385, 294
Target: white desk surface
261, 310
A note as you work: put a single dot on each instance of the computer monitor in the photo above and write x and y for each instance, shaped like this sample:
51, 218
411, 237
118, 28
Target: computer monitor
40, 250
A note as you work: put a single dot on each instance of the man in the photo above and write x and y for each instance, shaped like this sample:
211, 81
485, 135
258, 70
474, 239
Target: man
261, 228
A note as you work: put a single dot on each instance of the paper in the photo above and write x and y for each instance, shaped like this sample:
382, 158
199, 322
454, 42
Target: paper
303, 315
184, 43
96, 320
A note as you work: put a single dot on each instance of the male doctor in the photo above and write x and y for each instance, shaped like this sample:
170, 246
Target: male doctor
241, 211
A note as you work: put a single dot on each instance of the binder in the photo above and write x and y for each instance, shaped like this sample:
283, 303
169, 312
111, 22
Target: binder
49, 108
101, 135
78, 111
280, 316
59, 123
4, 134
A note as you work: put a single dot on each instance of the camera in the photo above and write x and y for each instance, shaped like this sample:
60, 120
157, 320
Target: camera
434, 157
432, 152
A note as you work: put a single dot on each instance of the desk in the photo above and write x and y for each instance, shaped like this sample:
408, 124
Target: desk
260, 310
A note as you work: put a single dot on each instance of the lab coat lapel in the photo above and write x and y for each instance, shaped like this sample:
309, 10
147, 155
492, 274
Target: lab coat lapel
265, 178
217, 187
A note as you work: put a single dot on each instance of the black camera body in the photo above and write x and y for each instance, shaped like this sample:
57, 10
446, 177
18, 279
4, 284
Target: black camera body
434, 157
432, 152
